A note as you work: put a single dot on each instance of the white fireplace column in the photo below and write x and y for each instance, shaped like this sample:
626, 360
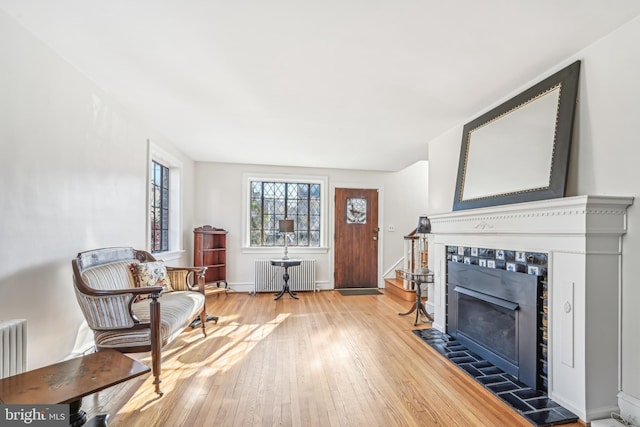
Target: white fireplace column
582, 236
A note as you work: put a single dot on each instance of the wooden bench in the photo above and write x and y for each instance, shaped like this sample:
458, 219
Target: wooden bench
131, 318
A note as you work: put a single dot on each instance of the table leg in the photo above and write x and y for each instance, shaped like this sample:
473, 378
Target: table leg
98, 421
285, 287
77, 416
210, 318
285, 290
422, 309
413, 308
418, 307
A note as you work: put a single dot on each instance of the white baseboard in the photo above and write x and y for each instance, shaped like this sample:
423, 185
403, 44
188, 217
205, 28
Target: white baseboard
249, 287
430, 307
571, 407
609, 422
629, 407
602, 412
242, 287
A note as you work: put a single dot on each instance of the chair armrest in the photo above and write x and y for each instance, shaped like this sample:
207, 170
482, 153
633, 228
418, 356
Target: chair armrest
112, 292
194, 269
180, 278
112, 309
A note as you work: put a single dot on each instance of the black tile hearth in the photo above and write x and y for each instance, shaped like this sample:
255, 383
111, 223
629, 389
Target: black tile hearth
534, 405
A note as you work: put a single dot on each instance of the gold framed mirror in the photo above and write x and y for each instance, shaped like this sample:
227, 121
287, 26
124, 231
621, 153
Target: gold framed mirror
519, 151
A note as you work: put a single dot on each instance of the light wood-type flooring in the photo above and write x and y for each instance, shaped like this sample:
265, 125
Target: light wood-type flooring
322, 360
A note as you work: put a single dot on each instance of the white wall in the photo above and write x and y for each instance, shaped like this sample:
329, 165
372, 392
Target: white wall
604, 162
219, 202
73, 177
405, 199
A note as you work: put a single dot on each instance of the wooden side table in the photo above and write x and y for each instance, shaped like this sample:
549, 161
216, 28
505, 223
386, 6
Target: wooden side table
286, 263
418, 277
69, 381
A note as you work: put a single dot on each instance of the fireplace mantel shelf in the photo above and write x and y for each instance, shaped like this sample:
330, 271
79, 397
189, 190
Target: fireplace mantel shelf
607, 214
582, 236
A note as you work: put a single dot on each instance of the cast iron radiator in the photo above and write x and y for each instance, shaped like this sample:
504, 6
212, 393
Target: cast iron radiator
13, 347
268, 278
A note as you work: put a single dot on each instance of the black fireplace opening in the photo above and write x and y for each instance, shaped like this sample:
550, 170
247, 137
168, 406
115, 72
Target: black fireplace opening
491, 325
495, 313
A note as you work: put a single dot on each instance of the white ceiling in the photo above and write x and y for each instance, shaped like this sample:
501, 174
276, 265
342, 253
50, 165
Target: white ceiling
357, 84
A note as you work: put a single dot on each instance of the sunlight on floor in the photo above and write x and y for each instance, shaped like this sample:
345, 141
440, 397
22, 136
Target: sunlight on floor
236, 341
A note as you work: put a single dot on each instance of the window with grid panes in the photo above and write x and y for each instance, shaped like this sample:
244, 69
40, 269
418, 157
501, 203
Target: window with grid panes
272, 201
159, 207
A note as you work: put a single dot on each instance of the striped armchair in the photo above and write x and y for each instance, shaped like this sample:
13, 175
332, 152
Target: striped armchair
132, 316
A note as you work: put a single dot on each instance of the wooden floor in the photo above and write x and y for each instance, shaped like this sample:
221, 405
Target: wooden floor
322, 360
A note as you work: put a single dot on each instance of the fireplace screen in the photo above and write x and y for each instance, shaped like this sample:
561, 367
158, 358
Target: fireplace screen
489, 324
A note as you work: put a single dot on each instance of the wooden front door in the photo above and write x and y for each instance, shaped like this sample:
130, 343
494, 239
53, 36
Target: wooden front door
356, 238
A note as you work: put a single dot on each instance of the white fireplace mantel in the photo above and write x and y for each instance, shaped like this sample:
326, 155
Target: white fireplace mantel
583, 237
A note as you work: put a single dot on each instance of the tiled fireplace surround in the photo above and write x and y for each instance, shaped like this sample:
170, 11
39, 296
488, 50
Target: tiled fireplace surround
582, 237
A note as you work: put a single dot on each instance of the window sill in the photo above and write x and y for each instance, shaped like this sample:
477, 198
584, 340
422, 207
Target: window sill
169, 255
280, 249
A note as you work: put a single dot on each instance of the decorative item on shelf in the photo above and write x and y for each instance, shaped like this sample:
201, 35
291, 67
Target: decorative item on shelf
286, 226
424, 225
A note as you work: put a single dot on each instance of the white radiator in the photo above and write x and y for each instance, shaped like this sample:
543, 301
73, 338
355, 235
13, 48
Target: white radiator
13, 347
268, 278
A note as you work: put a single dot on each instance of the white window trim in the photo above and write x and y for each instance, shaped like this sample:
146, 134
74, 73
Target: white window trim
247, 178
176, 248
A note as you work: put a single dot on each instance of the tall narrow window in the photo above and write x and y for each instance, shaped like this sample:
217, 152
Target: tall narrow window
272, 201
159, 207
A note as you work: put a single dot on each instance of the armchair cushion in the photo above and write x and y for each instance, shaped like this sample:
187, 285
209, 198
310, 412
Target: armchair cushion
178, 308
108, 277
152, 273
179, 279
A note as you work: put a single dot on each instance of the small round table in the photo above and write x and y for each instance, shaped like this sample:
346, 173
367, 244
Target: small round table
286, 263
418, 277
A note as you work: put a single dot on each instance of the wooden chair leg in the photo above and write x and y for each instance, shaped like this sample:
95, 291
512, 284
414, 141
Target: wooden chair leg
156, 356
201, 287
203, 320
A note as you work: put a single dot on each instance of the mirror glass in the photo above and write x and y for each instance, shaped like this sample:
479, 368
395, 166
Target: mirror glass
526, 162
519, 151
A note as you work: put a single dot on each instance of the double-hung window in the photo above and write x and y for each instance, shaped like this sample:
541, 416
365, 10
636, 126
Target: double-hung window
272, 200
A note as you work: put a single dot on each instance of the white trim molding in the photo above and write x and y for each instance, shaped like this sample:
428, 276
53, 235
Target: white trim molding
629, 407
583, 238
